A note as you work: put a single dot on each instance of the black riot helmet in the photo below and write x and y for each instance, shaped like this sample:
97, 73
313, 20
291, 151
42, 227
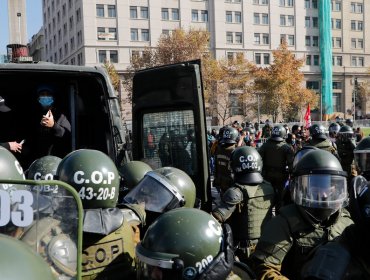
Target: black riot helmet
230, 135
334, 129
318, 131
246, 164
185, 244
349, 122
345, 133
299, 154
278, 133
362, 156
319, 184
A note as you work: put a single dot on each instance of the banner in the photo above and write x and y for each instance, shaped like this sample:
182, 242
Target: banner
307, 117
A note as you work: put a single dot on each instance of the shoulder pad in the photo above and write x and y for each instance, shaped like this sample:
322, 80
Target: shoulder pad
233, 196
130, 216
63, 253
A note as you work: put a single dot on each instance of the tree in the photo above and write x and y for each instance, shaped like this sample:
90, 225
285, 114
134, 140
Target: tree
280, 85
177, 47
113, 75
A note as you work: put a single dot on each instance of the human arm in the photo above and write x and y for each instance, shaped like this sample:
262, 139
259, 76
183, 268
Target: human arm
271, 249
12, 146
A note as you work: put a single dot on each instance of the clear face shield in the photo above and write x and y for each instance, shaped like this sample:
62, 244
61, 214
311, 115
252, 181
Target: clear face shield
321, 194
157, 194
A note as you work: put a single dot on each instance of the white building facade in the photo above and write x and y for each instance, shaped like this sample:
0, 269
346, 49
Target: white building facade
89, 32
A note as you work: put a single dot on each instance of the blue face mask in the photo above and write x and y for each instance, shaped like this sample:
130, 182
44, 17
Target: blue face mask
46, 101
246, 138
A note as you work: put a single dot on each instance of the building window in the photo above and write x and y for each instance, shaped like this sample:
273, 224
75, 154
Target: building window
72, 43
336, 42
112, 31
112, 11
353, 43
308, 59
145, 35
99, 10
314, 4
337, 60
336, 102
266, 58
307, 22
238, 17
165, 14
353, 25
314, 85
238, 37
256, 18
71, 23
360, 25
338, 24
315, 22
265, 39
315, 41
175, 14
113, 56
337, 7
133, 12
229, 37
204, 15
316, 60
290, 40
360, 43
308, 41
257, 58
290, 20
265, 19
194, 15
134, 34
229, 17
337, 85
101, 33
144, 12
78, 15
257, 39
282, 20
307, 4
102, 56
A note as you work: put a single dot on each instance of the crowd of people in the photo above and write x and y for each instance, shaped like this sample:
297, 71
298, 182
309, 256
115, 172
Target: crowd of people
293, 204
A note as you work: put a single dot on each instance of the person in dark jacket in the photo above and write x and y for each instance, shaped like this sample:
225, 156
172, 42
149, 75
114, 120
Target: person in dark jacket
53, 135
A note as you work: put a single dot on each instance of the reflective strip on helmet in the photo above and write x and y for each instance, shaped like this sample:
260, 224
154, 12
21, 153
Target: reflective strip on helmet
165, 183
154, 262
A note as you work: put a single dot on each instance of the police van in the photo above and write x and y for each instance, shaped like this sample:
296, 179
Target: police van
83, 94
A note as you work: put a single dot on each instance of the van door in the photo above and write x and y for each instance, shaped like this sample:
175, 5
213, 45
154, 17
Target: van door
169, 127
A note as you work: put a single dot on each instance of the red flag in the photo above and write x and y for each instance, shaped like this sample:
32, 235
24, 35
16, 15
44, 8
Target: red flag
307, 117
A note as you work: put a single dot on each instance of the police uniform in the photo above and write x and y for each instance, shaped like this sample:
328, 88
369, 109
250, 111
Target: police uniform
288, 239
276, 157
109, 241
223, 178
249, 206
346, 156
324, 144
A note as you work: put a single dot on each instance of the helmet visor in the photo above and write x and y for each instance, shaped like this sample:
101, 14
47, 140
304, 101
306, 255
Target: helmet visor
150, 272
154, 194
362, 160
323, 191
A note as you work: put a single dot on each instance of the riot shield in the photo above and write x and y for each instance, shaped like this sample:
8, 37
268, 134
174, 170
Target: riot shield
47, 216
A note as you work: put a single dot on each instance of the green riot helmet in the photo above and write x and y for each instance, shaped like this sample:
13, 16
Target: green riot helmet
230, 135
334, 129
299, 154
251, 130
19, 261
164, 189
246, 164
319, 184
318, 131
362, 156
10, 169
185, 244
278, 133
94, 176
345, 133
132, 172
44, 168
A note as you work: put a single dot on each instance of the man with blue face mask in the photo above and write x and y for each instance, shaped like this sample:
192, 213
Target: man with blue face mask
54, 131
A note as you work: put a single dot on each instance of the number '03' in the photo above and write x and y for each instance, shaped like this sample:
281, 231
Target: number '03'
22, 214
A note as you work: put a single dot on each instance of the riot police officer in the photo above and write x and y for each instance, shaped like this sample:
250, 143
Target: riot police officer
247, 205
185, 243
18, 261
161, 190
277, 157
333, 131
345, 145
362, 157
227, 144
320, 140
319, 193
131, 174
109, 237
